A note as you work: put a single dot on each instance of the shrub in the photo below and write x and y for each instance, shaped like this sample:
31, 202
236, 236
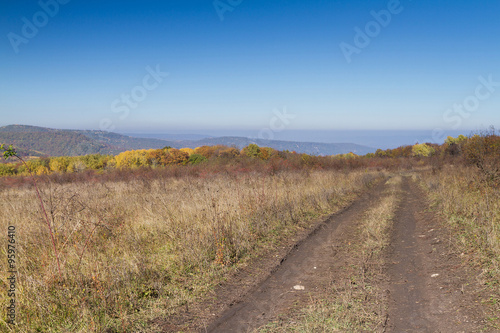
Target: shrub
381, 153
252, 150
75, 165
95, 161
133, 158
483, 151
189, 151
7, 169
38, 166
229, 153
177, 157
167, 157
346, 156
451, 140
266, 153
59, 164
422, 150
196, 159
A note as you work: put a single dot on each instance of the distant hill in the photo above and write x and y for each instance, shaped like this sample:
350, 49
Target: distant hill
169, 137
41, 141
312, 148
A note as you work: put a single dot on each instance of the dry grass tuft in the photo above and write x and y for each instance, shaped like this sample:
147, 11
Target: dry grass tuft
472, 209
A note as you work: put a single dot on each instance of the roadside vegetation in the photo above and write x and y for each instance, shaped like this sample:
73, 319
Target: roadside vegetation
467, 196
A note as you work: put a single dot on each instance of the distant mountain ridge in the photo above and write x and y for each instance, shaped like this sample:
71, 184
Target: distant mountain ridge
169, 137
42, 141
312, 148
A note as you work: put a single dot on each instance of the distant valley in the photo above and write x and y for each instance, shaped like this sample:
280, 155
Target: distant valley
41, 141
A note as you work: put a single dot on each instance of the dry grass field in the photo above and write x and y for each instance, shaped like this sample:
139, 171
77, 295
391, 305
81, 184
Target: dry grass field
136, 250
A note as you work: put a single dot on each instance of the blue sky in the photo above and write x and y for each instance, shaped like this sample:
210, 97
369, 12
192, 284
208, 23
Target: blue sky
262, 57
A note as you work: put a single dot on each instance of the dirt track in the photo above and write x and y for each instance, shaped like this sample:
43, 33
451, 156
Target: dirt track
311, 264
427, 288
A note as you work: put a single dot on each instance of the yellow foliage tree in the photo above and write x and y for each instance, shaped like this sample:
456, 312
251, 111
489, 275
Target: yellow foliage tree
422, 150
177, 157
167, 156
59, 164
452, 140
189, 151
134, 158
75, 165
41, 170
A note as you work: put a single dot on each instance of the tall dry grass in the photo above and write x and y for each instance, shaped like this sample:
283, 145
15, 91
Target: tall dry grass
135, 250
472, 208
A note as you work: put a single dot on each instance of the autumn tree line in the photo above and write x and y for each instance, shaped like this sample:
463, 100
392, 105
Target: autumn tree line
142, 158
481, 150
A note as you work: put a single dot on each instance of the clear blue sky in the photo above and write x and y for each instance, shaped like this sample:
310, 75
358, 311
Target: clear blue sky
263, 56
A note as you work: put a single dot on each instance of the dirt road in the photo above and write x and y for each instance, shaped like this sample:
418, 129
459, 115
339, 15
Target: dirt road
311, 266
425, 285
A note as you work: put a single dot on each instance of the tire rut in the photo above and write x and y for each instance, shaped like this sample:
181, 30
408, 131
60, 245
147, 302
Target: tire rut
407, 309
426, 291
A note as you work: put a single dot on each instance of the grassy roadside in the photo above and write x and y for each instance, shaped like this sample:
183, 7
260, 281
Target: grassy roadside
470, 209
137, 250
355, 303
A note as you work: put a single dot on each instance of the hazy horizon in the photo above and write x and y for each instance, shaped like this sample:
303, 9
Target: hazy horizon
384, 139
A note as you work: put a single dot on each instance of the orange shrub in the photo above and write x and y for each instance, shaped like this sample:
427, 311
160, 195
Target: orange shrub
167, 156
189, 151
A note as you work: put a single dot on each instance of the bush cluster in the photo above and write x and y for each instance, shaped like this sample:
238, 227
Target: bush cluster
481, 150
